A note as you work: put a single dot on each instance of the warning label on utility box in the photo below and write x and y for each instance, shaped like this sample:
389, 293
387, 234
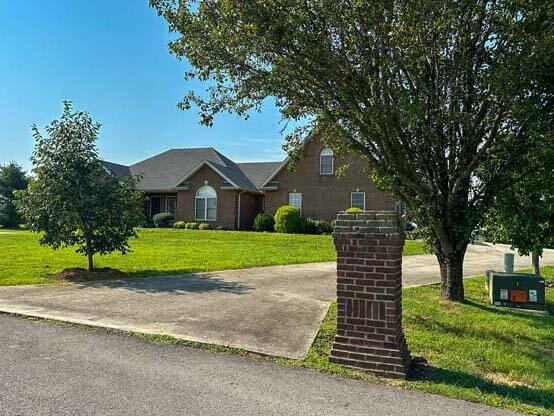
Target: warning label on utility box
518, 295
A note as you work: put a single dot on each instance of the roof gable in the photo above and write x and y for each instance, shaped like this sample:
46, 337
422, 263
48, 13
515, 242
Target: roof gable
212, 166
168, 170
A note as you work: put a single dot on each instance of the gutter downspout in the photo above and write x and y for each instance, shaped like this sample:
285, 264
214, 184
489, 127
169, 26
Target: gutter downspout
238, 211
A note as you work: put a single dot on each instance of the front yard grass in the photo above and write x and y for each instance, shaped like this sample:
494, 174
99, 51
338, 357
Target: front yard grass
168, 251
476, 352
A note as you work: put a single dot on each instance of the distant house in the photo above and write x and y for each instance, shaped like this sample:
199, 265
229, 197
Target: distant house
202, 185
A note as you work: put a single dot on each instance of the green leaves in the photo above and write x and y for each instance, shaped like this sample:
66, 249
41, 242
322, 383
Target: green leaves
73, 199
12, 179
429, 92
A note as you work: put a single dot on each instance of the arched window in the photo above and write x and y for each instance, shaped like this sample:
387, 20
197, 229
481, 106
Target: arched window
206, 204
326, 162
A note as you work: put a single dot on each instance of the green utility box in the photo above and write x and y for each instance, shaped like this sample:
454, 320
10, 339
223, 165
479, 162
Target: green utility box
516, 290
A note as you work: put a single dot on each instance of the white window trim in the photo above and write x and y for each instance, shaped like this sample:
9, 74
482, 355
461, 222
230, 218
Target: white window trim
196, 218
301, 199
329, 153
352, 195
167, 198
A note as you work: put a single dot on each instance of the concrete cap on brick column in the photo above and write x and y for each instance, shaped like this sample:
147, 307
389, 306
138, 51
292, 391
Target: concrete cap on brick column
373, 223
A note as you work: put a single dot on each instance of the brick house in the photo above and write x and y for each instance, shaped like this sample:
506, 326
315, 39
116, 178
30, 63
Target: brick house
203, 185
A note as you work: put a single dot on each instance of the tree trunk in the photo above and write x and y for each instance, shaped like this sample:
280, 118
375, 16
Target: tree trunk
90, 254
535, 258
90, 262
452, 276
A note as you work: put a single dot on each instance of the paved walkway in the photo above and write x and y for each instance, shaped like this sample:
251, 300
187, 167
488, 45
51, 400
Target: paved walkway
48, 370
421, 270
269, 310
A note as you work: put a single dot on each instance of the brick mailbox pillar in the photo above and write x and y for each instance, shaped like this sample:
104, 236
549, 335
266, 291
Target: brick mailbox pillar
369, 294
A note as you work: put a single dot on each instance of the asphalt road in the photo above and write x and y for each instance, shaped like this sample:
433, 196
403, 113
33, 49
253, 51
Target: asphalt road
51, 370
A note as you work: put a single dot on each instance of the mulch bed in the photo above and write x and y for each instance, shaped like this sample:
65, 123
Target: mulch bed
81, 275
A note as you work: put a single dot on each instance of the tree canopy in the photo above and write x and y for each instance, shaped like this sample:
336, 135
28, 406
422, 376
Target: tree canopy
523, 213
73, 199
12, 178
437, 96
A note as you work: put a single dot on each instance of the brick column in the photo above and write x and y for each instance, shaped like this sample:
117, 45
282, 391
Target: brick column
369, 294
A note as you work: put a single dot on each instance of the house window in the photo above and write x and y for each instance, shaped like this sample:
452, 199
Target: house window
171, 204
295, 199
357, 200
206, 204
326, 162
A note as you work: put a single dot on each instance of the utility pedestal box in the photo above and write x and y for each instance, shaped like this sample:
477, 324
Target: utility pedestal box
516, 290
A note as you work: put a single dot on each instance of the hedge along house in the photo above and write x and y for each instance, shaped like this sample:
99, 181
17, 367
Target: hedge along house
202, 185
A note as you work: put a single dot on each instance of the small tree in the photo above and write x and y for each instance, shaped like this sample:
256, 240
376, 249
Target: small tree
73, 199
12, 178
523, 215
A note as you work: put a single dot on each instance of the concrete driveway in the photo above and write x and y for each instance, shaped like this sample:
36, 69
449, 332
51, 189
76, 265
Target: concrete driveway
274, 310
269, 310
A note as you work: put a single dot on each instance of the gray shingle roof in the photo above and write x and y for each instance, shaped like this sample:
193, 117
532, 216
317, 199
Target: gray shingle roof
117, 169
258, 172
166, 170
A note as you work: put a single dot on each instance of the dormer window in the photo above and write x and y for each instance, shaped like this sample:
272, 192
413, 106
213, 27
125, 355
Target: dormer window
326, 162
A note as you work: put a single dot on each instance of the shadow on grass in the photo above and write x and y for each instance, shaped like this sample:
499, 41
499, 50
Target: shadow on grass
522, 394
172, 284
508, 311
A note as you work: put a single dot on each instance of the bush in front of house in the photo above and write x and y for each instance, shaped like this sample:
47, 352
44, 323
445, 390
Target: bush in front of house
146, 223
179, 224
311, 226
354, 210
325, 227
264, 222
163, 220
289, 220
191, 226
204, 226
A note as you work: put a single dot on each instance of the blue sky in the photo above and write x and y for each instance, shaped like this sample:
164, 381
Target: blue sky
110, 58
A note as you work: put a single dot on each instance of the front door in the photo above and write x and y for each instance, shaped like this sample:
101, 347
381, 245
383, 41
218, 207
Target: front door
155, 205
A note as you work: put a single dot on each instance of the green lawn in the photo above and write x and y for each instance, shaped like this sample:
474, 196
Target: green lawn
500, 357
475, 352
168, 251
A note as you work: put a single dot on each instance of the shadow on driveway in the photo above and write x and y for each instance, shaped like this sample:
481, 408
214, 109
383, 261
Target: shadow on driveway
186, 284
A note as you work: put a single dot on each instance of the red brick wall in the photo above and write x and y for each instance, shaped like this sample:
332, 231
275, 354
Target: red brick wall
369, 294
323, 196
226, 199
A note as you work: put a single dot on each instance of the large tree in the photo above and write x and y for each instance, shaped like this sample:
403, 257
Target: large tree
429, 92
12, 178
73, 200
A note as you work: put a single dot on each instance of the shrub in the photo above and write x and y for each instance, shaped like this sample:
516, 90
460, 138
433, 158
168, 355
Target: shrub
191, 225
325, 227
180, 224
311, 226
289, 220
146, 223
163, 219
354, 210
264, 222
204, 226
